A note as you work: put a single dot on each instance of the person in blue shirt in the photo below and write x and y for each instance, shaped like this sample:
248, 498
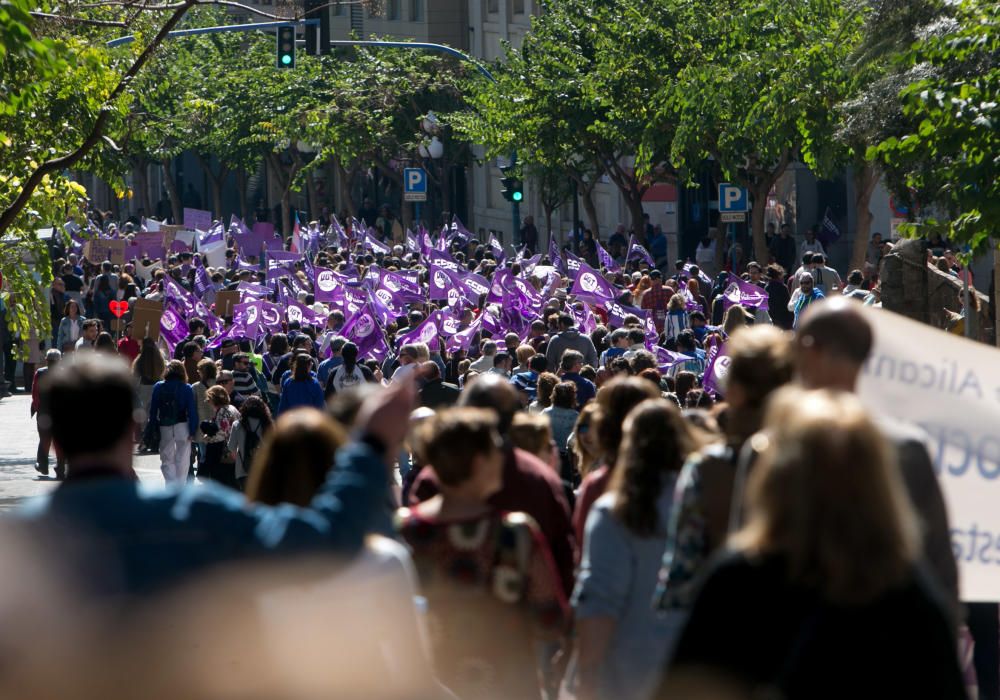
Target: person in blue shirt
173, 411
301, 388
333, 362
686, 345
572, 363
117, 537
526, 383
618, 345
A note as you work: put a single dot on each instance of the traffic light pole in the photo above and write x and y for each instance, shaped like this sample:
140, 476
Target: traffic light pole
409, 45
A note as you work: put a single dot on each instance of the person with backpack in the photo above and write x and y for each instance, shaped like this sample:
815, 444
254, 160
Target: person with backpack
254, 422
172, 409
350, 373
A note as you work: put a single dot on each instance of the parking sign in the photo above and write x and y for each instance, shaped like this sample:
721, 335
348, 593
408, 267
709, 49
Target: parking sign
733, 199
414, 185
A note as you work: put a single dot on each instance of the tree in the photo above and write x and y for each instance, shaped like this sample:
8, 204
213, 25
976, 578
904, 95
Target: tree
760, 91
950, 158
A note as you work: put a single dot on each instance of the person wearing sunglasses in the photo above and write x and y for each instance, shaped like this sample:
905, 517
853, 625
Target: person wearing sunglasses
806, 294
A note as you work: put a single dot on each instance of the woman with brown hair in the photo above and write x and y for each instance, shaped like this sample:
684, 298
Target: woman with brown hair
822, 595
543, 395
621, 644
614, 402
294, 457
491, 584
583, 441
219, 463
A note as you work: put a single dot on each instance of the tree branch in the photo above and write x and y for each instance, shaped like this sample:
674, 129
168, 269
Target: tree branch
78, 20
97, 131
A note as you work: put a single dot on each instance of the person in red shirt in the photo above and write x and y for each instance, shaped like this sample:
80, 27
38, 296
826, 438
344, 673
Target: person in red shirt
128, 346
656, 299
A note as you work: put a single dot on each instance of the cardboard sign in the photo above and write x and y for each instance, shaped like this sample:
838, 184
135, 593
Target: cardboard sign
197, 219
101, 249
150, 244
224, 303
146, 319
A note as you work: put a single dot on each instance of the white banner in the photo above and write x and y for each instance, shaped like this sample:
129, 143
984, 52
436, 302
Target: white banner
950, 387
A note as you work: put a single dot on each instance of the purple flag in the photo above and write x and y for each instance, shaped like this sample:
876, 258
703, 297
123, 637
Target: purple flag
497, 248
364, 332
637, 252
444, 285
475, 285
442, 259
411, 242
302, 314
746, 294
716, 368
375, 245
668, 359
173, 328
234, 332
202, 282
605, 259
215, 234
617, 313
463, 339
554, 257
701, 273
427, 332
237, 223
326, 286
572, 264
590, 286
584, 318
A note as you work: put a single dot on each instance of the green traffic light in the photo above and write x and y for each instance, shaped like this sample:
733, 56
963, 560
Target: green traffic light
517, 196
286, 59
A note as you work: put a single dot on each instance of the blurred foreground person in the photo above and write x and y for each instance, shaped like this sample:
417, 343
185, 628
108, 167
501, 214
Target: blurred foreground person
822, 594
149, 539
494, 595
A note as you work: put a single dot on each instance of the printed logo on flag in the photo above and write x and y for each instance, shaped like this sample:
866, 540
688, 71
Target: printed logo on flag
294, 314
588, 282
391, 284
384, 295
440, 279
169, 320
270, 316
251, 314
453, 296
365, 326
326, 281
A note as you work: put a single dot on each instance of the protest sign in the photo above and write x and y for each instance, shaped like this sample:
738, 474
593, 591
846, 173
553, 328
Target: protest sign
950, 387
100, 249
146, 316
150, 244
215, 254
197, 219
224, 303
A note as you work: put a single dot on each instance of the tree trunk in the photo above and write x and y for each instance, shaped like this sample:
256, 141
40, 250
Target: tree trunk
176, 204
548, 222
286, 214
865, 180
241, 185
142, 186
216, 181
590, 209
759, 194
313, 204
633, 199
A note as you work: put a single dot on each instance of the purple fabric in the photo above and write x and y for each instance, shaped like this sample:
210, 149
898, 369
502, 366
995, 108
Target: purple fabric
617, 312
604, 257
427, 332
173, 327
668, 359
716, 367
590, 286
637, 252
747, 295
463, 339
363, 331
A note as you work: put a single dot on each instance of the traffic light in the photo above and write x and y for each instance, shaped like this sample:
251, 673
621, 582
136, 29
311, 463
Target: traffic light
286, 47
317, 36
513, 189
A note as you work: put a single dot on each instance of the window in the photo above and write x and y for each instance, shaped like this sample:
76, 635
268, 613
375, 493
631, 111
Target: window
392, 9
518, 7
416, 10
338, 9
493, 7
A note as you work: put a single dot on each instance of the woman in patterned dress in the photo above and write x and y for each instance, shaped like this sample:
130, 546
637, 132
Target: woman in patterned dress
495, 602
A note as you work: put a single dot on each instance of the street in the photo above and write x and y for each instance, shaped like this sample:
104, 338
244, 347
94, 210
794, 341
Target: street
18, 442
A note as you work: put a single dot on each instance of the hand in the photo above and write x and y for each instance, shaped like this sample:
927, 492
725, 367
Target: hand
386, 414
378, 375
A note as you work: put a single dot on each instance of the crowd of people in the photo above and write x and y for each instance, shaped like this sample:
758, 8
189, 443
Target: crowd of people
614, 480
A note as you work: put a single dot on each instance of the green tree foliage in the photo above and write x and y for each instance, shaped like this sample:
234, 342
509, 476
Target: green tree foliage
951, 157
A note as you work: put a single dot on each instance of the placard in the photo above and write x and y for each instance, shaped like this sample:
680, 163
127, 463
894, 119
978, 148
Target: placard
225, 301
197, 219
146, 316
99, 250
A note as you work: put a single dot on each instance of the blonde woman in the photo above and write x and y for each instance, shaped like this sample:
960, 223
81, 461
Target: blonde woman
822, 594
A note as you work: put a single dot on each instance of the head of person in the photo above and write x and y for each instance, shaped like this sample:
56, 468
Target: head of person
294, 457
656, 440
775, 272
856, 278
547, 381
88, 438
677, 303
618, 338
831, 345
656, 279
760, 363
105, 343
192, 351
807, 260
90, 330
585, 448
226, 380
71, 309
538, 363
52, 358
819, 260
614, 402
197, 327
734, 320
241, 362
489, 348
533, 433
641, 361
496, 393
524, 354
806, 283
207, 372
175, 371
503, 361
571, 361
564, 395
217, 397
408, 355
350, 354
876, 239
683, 383
464, 449
566, 322
302, 365
826, 496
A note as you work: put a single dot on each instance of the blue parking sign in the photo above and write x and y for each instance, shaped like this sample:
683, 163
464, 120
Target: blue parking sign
733, 199
414, 185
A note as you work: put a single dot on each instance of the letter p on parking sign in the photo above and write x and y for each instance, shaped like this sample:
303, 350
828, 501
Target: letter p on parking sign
414, 185
732, 199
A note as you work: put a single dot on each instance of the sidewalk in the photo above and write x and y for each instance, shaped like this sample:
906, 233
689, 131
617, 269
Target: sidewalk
18, 443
